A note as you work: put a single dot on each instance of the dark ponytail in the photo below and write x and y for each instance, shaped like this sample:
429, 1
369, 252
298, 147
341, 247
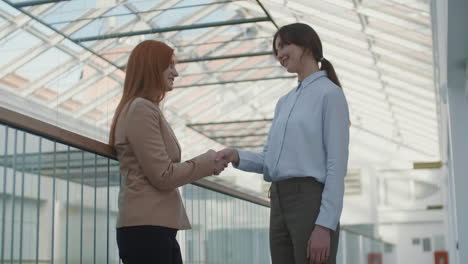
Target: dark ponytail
328, 67
305, 36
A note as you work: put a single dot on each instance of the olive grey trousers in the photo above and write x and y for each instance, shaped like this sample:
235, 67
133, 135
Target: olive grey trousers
295, 205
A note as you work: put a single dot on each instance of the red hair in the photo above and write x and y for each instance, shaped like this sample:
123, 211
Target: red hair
144, 76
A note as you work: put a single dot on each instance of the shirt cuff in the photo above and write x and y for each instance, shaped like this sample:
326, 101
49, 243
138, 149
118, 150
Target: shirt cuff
249, 161
242, 161
326, 221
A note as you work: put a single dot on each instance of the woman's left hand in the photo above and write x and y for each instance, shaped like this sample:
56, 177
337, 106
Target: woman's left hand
318, 247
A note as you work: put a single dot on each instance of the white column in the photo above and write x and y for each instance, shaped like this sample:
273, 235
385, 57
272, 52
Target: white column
458, 151
451, 66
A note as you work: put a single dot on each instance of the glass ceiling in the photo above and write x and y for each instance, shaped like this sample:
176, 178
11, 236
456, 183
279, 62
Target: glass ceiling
64, 62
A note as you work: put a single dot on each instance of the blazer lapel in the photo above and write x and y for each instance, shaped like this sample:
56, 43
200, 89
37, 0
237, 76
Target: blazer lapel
170, 131
173, 135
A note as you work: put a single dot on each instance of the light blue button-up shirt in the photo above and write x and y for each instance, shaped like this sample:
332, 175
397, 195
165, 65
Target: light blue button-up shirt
309, 137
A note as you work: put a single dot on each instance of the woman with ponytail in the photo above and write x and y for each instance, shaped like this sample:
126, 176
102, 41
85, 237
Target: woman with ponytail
306, 153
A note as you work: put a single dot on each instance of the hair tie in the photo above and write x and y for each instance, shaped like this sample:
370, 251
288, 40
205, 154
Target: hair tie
321, 59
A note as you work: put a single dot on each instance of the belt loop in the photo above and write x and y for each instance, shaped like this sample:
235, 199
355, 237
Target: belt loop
269, 191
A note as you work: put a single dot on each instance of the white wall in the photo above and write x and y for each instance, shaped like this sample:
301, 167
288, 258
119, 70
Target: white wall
396, 203
362, 208
403, 235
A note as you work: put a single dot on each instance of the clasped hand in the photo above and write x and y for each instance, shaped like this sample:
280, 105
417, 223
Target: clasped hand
222, 158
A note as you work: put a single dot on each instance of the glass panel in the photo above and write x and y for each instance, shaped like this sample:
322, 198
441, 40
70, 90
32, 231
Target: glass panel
144, 5
175, 16
353, 250
43, 63
62, 13
8, 9
71, 45
68, 79
16, 44
41, 28
103, 26
223, 226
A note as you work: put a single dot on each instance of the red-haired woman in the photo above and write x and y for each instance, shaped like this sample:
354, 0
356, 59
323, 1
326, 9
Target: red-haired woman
306, 153
150, 206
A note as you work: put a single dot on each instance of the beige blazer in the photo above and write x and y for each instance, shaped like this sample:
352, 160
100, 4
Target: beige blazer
149, 157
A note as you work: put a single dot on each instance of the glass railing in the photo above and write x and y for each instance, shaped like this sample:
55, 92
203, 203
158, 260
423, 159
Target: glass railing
356, 248
58, 204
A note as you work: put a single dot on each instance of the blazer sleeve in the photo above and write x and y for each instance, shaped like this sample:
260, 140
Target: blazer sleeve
144, 135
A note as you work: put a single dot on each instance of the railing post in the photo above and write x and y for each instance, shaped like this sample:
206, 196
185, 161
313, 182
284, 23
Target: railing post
343, 247
361, 249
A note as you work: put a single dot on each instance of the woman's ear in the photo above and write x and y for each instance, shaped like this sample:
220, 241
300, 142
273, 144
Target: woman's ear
307, 53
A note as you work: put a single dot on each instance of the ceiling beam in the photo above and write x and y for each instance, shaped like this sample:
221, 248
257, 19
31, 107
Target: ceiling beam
170, 29
234, 56
235, 81
267, 13
230, 122
37, 2
239, 136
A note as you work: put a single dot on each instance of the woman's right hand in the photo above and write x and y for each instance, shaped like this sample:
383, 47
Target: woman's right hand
219, 164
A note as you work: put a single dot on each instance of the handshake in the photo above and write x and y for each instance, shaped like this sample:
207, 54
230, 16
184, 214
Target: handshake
222, 158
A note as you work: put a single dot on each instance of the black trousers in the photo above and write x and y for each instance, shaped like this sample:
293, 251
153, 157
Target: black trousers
148, 245
295, 205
